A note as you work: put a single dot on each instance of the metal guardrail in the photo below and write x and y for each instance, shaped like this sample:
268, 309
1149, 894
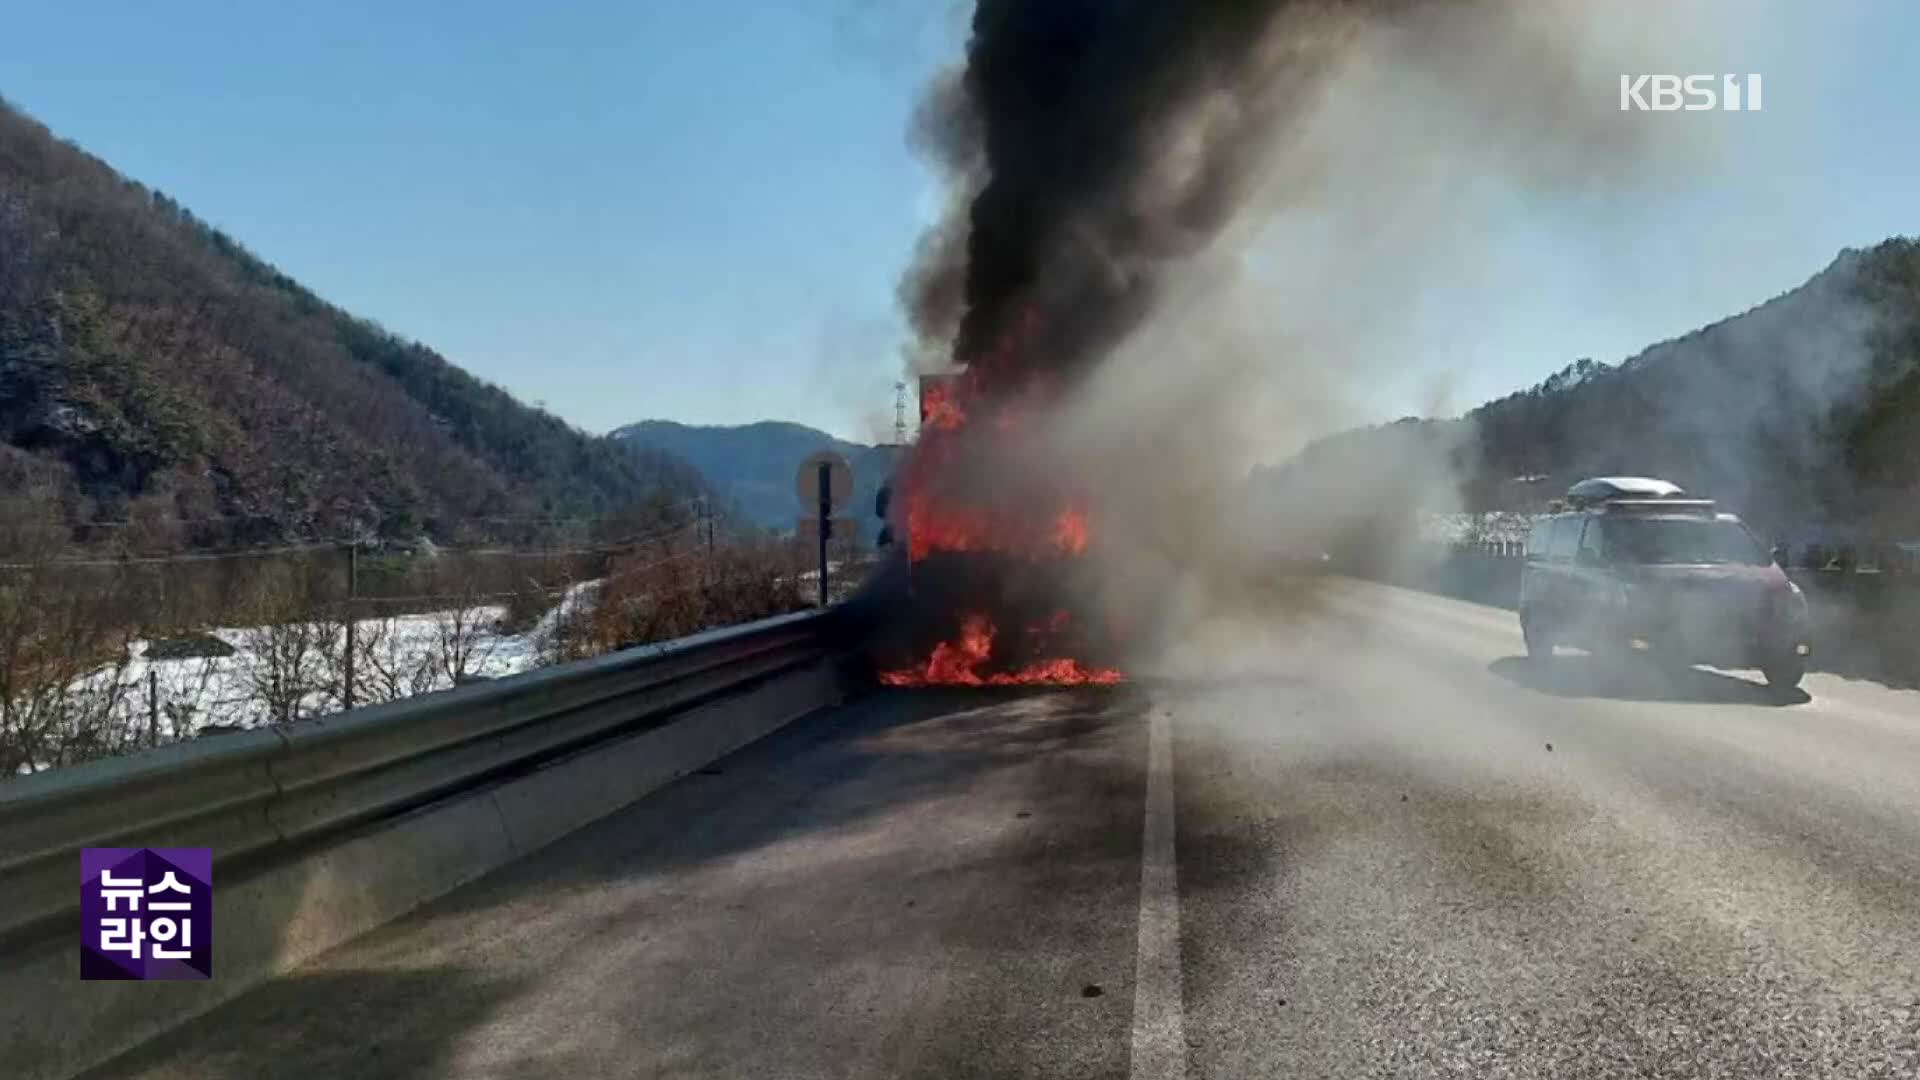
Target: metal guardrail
251, 794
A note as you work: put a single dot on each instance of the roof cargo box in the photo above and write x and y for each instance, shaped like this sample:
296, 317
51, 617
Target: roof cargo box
1604, 488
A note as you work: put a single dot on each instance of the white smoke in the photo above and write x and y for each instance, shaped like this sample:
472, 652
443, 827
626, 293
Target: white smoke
1389, 175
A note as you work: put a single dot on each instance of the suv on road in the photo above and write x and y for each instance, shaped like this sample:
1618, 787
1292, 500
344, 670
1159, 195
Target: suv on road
1633, 565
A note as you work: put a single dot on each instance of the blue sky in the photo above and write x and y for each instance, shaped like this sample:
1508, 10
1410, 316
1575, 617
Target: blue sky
699, 211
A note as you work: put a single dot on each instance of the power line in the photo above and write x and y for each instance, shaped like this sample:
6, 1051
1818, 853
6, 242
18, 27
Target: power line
128, 523
658, 562
447, 523
155, 560
647, 538
510, 553
614, 547
620, 546
453, 598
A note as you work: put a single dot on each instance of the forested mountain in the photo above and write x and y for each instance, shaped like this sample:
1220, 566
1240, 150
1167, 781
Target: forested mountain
752, 466
151, 365
1803, 413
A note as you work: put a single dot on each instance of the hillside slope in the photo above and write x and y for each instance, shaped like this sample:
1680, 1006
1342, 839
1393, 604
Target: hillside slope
1802, 412
150, 365
752, 466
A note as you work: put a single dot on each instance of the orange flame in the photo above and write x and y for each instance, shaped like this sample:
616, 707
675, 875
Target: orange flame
1070, 532
940, 407
931, 529
954, 662
957, 663
937, 524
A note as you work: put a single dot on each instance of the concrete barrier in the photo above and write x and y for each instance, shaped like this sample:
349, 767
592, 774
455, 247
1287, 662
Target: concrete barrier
318, 840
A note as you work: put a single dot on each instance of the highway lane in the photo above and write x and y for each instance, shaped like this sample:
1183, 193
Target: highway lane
1396, 849
1445, 863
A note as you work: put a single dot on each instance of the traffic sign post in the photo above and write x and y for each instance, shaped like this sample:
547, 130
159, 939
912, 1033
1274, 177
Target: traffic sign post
824, 483
809, 528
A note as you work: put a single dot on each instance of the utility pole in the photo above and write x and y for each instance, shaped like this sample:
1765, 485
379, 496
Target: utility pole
900, 414
826, 523
353, 621
707, 568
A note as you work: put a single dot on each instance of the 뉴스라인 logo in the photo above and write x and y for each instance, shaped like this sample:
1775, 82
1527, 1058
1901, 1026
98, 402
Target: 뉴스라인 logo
146, 913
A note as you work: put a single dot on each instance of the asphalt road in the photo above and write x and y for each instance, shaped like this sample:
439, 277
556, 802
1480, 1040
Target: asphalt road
1356, 836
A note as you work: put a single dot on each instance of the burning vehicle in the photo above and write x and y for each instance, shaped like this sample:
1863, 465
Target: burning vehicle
1097, 155
996, 588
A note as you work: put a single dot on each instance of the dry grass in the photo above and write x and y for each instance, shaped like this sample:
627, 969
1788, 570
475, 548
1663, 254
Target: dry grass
658, 596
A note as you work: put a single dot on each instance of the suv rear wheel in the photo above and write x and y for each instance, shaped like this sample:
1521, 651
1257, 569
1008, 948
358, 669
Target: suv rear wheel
1785, 674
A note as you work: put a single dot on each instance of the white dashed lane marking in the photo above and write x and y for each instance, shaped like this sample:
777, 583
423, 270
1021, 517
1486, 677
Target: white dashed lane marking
1159, 1038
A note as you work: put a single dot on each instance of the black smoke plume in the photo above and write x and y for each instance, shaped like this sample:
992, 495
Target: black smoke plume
1076, 129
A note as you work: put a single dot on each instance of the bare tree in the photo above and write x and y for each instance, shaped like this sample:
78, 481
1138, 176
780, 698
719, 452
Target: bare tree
63, 677
653, 597
386, 667
189, 701
93, 713
284, 655
283, 667
63, 654
463, 639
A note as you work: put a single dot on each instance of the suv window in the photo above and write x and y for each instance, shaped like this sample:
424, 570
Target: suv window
1590, 541
1566, 537
1538, 539
1683, 541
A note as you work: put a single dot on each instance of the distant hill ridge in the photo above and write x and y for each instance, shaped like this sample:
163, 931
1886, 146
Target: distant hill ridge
149, 364
752, 466
1802, 412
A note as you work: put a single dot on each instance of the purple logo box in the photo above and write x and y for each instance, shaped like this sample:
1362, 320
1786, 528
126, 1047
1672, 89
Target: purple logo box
146, 913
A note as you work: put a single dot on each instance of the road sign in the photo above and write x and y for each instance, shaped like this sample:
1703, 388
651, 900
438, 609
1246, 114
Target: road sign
825, 483
807, 481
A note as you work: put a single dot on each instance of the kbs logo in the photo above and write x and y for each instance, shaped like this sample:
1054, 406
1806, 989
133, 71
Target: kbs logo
1693, 93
